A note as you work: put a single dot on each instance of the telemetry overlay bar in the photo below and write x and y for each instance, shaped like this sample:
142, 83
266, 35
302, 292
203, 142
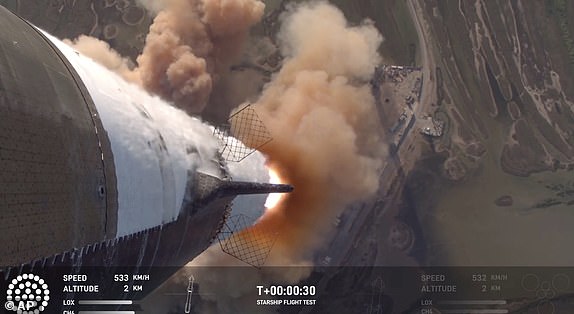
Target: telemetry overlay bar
107, 312
472, 302
474, 311
105, 302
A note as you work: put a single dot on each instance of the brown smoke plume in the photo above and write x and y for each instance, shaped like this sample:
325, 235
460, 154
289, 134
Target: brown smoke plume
102, 52
327, 139
326, 143
321, 114
189, 42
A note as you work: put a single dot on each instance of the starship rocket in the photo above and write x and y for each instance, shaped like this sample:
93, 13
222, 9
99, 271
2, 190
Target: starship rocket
95, 171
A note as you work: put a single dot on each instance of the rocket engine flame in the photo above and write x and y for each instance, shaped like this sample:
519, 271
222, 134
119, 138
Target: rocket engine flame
273, 198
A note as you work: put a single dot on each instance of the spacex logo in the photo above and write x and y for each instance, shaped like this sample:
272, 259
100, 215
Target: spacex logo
27, 294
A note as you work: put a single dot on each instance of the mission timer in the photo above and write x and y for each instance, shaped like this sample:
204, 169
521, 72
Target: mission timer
289, 290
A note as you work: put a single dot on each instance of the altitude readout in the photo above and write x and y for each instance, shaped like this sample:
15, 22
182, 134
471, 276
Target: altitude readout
436, 283
489, 282
125, 278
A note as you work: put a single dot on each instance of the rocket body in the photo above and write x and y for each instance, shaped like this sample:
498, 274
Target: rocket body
94, 171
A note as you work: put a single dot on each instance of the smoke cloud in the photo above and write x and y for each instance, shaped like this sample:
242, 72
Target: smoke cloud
326, 143
321, 114
189, 44
101, 51
318, 108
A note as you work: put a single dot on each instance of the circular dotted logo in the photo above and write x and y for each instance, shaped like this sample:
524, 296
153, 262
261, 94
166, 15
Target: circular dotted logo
27, 294
546, 290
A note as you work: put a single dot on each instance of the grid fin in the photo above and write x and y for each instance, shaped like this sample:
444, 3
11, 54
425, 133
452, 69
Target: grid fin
244, 134
245, 241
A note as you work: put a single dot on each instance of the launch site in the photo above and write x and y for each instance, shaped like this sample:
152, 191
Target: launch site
286, 156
